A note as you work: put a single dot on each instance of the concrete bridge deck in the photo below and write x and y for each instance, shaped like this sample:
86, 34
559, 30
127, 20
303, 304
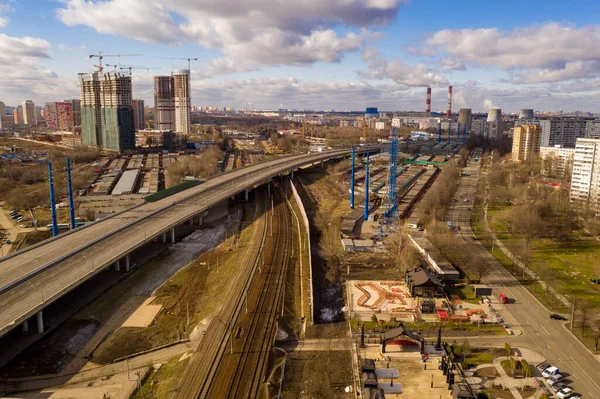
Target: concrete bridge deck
33, 278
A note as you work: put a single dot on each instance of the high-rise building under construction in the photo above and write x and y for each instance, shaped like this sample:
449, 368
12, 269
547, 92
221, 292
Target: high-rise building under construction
106, 111
164, 103
182, 101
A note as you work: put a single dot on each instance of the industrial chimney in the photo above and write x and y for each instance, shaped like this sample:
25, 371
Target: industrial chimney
449, 112
428, 101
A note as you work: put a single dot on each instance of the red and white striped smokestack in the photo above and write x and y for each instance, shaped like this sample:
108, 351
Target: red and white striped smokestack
428, 101
449, 112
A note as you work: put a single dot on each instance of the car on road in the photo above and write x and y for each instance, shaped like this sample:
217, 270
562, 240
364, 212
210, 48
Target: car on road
504, 298
555, 316
564, 393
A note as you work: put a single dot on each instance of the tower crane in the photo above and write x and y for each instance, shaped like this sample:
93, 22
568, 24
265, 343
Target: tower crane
130, 68
189, 60
114, 66
101, 56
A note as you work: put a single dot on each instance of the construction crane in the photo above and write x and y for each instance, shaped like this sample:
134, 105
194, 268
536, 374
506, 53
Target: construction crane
101, 56
189, 60
129, 68
113, 65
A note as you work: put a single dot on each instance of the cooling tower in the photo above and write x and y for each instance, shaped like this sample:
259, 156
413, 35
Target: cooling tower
465, 117
494, 115
526, 114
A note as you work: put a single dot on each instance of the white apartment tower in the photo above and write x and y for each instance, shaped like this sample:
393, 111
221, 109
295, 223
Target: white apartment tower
585, 180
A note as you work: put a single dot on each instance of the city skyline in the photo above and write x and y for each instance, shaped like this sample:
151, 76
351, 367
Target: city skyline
342, 55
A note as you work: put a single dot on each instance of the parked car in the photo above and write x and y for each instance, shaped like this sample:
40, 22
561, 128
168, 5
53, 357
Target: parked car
554, 379
550, 371
543, 366
558, 386
555, 316
564, 393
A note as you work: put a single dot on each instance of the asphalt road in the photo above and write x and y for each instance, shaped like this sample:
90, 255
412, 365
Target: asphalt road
526, 313
78, 257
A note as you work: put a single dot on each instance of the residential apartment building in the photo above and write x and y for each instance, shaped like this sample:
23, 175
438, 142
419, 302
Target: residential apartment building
182, 101
106, 111
51, 116
138, 114
91, 120
29, 113
564, 132
164, 103
66, 122
118, 131
526, 142
592, 129
585, 179
557, 161
18, 116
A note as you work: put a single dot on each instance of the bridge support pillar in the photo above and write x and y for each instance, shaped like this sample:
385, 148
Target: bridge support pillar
269, 190
40, 322
173, 235
118, 265
164, 238
292, 175
322, 164
127, 263
25, 326
246, 194
200, 220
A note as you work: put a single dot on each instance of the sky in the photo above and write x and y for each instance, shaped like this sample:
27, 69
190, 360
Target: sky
314, 54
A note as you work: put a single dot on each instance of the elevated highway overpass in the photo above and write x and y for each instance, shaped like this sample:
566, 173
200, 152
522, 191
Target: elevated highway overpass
35, 277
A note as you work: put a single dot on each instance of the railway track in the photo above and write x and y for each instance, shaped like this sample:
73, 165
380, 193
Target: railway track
204, 362
240, 373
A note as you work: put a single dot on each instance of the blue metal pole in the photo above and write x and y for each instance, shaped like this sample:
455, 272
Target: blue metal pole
71, 202
352, 181
449, 125
439, 133
457, 130
52, 201
465, 133
366, 215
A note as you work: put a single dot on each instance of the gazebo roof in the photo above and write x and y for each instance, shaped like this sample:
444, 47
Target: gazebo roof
402, 330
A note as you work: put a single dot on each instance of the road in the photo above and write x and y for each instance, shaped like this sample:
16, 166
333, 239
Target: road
59, 265
527, 314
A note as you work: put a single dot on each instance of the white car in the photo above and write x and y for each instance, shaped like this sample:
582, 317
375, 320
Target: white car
564, 393
550, 371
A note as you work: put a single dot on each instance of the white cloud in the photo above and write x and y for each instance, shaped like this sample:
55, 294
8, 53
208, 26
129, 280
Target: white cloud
545, 53
23, 76
3, 22
263, 32
404, 74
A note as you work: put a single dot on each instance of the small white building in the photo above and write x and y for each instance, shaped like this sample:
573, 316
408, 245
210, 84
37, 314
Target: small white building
380, 125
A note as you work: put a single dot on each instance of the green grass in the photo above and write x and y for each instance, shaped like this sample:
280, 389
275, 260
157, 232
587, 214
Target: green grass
464, 292
431, 329
163, 382
571, 264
